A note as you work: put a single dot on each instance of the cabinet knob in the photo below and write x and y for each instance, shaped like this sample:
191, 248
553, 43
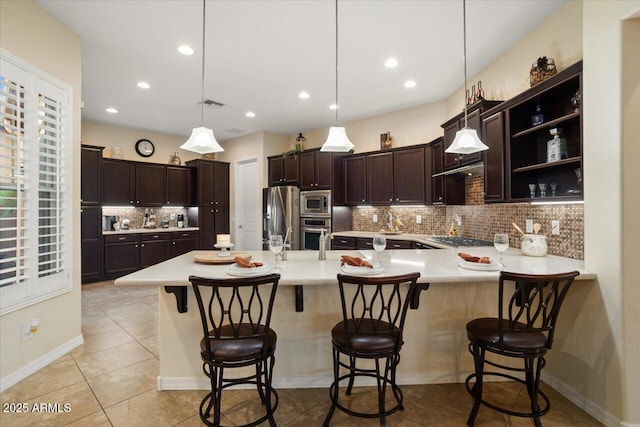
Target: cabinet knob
142, 245
363, 200
131, 201
135, 246
137, 201
211, 202
216, 202
391, 199
168, 202
173, 243
397, 199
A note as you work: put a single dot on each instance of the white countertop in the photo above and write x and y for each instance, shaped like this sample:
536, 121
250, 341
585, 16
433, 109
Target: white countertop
304, 268
149, 230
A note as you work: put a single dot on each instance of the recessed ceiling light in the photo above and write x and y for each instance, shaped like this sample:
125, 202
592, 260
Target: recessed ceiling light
391, 63
333, 107
250, 114
143, 85
185, 50
111, 110
409, 84
304, 95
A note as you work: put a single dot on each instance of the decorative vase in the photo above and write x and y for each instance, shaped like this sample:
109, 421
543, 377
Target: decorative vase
209, 156
175, 159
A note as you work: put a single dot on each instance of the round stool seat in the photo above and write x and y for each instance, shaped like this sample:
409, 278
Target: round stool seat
486, 331
372, 336
235, 350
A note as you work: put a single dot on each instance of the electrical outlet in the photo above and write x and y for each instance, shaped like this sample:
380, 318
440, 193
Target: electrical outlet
418, 219
375, 217
172, 217
528, 224
555, 226
26, 332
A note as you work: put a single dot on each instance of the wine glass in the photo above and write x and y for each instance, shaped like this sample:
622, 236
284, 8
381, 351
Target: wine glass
275, 246
379, 245
543, 189
501, 243
554, 187
532, 190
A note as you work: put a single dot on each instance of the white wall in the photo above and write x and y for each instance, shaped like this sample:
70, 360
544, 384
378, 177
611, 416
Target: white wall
608, 212
630, 209
32, 34
110, 136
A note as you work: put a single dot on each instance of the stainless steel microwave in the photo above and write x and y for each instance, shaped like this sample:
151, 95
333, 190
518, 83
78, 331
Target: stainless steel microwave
315, 203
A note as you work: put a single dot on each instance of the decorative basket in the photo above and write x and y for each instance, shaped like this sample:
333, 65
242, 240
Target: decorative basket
541, 70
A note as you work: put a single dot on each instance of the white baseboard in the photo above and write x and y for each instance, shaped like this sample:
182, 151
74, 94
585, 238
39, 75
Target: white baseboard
587, 405
202, 383
32, 367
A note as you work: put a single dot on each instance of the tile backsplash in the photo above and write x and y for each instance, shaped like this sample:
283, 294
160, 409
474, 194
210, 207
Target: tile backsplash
482, 221
136, 215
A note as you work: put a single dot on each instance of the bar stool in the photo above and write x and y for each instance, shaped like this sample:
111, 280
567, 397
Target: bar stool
236, 330
373, 310
523, 329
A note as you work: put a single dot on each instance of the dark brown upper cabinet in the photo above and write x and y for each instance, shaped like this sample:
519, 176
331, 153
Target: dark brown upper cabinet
445, 189
450, 127
409, 176
178, 186
526, 142
149, 184
493, 131
212, 182
315, 170
355, 180
396, 177
380, 178
90, 175
118, 182
283, 170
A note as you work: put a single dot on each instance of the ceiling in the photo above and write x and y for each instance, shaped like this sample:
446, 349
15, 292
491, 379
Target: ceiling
261, 53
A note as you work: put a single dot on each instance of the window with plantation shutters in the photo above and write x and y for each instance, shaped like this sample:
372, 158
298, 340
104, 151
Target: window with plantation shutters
35, 185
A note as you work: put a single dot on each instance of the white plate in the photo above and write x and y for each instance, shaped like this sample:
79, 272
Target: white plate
362, 271
235, 270
494, 266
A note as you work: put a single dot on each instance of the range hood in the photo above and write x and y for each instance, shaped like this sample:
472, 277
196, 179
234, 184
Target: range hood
472, 169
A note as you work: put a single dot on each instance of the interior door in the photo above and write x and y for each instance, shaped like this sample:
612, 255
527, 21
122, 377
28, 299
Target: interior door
248, 208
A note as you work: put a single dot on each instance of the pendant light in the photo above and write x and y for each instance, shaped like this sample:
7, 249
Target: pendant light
466, 140
337, 139
202, 140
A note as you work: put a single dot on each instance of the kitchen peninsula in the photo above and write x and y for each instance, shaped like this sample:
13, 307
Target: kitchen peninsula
436, 343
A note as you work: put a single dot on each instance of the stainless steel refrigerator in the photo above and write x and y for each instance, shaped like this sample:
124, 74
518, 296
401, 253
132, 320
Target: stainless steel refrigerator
281, 212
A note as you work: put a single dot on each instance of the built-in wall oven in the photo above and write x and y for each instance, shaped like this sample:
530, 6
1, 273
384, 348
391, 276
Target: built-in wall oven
310, 229
315, 203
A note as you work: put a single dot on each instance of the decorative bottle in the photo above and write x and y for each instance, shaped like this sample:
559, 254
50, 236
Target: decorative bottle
475, 94
480, 90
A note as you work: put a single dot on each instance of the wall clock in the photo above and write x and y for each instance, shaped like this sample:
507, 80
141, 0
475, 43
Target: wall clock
145, 148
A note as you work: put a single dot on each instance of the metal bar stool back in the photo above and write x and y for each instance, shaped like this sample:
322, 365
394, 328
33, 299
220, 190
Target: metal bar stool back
374, 311
524, 329
236, 318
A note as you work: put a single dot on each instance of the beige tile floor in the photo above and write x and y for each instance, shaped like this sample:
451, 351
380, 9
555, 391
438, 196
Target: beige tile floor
111, 380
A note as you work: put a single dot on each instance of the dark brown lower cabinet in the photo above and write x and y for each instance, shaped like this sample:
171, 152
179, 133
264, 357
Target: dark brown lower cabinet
346, 243
91, 243
154, 248
121, 254
183, 242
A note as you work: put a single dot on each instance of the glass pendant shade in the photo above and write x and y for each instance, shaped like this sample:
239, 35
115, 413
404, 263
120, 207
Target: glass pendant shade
466, 142
337, 141
202, 141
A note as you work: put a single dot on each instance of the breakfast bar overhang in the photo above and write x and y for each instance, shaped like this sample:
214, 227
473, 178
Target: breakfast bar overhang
435, 349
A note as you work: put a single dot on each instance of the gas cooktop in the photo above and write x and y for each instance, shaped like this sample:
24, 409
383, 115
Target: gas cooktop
461, 241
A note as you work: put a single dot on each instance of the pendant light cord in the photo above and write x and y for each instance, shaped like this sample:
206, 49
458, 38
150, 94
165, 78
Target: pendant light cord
337, 105
464, 56
204, 17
